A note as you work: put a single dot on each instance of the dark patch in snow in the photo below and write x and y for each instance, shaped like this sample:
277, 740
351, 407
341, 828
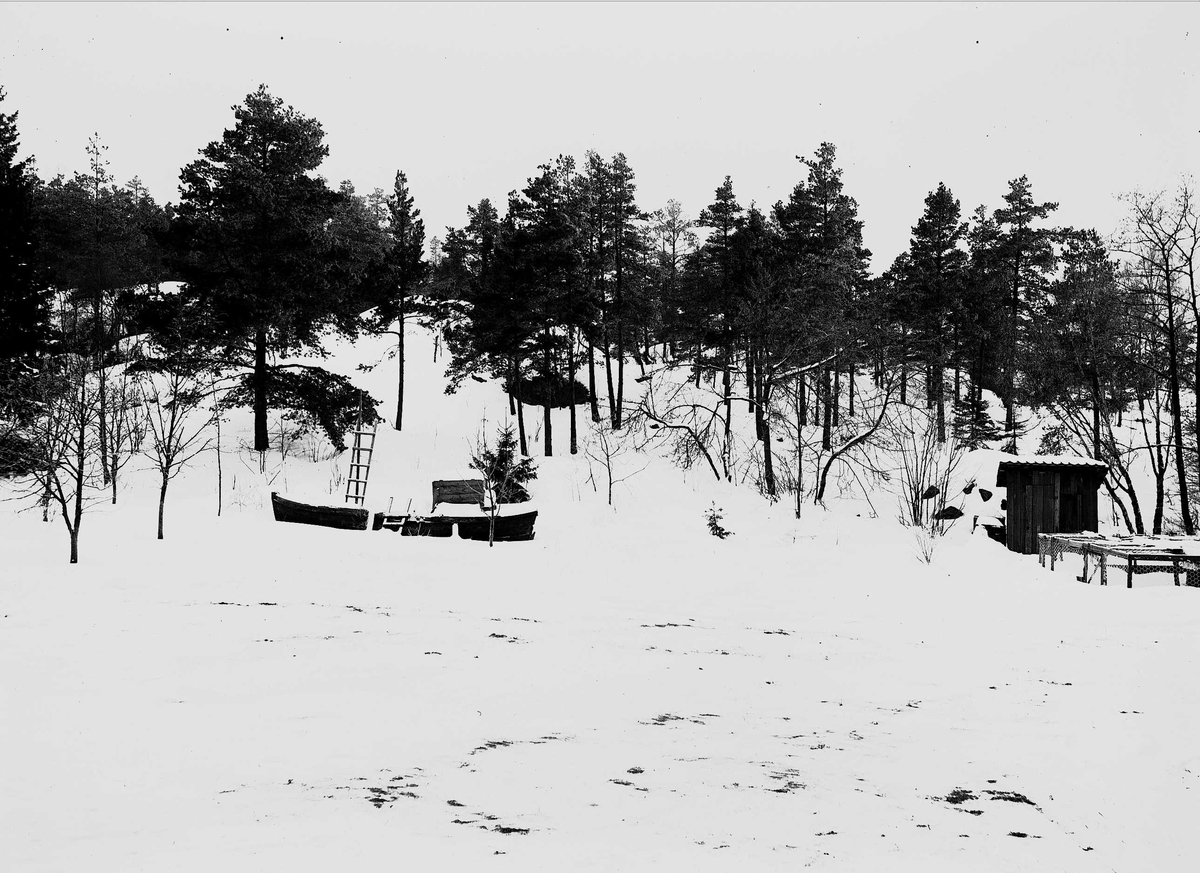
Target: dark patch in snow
491, 744
780, 632
635, 771
265, 603
1023, 835
453, 803
620, 781
1011, 796
505, 829
355, 608
959, 795
789, 780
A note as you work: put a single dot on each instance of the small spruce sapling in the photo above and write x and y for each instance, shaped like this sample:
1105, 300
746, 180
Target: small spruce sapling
714, 514
505, 475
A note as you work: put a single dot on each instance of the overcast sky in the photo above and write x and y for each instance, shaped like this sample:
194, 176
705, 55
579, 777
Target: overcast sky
1088, 100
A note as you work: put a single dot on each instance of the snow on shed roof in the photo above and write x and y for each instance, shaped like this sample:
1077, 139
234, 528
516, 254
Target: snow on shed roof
1051, 461
1047, 461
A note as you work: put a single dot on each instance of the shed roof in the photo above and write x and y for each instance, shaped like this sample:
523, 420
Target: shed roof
1047, 462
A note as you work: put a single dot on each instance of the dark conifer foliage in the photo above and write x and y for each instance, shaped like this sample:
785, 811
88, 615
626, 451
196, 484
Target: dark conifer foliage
936, 276
24, 308
826, 261
274, 254
508, 473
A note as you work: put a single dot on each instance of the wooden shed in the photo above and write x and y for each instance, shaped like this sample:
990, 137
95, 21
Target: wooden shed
1049, 494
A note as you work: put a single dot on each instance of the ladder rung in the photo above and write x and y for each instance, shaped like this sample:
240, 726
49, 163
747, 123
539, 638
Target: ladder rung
363, 481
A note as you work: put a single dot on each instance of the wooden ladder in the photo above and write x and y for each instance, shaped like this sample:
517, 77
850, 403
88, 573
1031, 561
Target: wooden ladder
360, 464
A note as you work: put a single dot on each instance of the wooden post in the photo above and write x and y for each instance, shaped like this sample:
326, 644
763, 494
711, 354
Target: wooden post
1086, 552
1175, 570
1130, 564
1103, 569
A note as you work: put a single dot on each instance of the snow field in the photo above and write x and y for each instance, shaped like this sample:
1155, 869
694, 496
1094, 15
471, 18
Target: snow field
633, 692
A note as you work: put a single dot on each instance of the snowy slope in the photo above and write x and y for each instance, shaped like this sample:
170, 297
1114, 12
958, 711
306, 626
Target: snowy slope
624, 692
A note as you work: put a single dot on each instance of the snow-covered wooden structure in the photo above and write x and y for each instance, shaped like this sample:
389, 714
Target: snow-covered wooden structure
1049, 494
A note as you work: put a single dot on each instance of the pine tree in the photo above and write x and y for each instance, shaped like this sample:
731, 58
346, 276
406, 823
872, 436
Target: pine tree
822, 249
404, 270
724, 217
937, 268
1027, 259
262, 240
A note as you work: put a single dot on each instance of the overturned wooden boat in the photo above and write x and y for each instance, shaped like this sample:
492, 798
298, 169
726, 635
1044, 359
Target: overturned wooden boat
509, 528
340, 517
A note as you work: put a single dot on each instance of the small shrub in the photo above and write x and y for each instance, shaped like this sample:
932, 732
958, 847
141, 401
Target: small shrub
714, 516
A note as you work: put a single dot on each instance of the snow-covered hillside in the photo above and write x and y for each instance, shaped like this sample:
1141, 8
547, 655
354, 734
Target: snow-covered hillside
625, 692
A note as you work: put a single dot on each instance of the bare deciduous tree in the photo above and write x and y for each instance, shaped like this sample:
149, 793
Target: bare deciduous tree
176, 433
66, 446
606, 447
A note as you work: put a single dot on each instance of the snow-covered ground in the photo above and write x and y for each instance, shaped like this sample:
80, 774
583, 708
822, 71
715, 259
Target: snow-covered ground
625, 692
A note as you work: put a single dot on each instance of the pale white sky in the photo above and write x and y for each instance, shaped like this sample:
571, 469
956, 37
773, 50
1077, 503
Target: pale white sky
1088, 99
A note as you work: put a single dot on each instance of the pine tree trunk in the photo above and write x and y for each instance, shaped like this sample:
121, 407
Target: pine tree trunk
220, 473
799, 445
1177, 413
816, 399
837, 394
750, 384
547, 419
400, 369
801, 406
571, 380
592, 381
608, 375
262, 439
768, 462
521, 419
760, 408
850, 390
1095, 415
727, 388
617, 408
827, 423
939, 377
